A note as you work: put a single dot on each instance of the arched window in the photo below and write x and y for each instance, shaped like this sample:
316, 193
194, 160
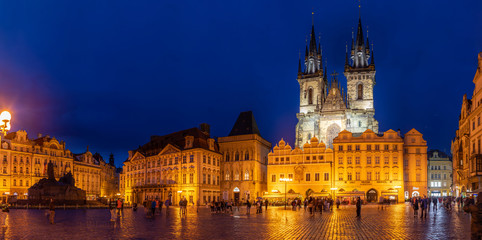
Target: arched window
14, 169
310, 96
227, 176
14, 182
236, 176
246, 155
236, 158
227, 157
246, 175
360, 91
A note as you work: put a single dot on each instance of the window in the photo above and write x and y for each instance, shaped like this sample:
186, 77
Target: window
226, 177
20, 182
417, 150
395, 147
349, 147
340, 176
377, 147
418, 177
227, 157
236, 176
317, 177
246, 156
348, 160
287, 159
395, 160
369, 147
281, 176
246, 175
4, 182
395, 176
357, 160
386, 161
184, 159
209, 160
320, 157
184, 178
369, 176
191, 158
418, 162
14, 182
310, 96
349, 176
170, 161
357, 147
340, 160
377, 176
340, 148
386, 147
327, 177
357, 176
204, 178
290, 175
236, 157
191, 178
377, 160
369, 160
360, 91
176, 160
204, 158
209, 179
307, 158
387, 176
273, 178
445, 176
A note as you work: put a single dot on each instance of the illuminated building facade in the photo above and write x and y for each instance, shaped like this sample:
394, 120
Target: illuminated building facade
369, 166
466, 146
415, 164
245, 155
24, 162
439, 174
180, 164
310, 170
325, 109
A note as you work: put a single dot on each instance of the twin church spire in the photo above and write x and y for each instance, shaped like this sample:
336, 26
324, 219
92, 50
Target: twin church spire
313, 57
360, 54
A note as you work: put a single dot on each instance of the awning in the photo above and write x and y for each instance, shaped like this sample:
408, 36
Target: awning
351, 194
282, 195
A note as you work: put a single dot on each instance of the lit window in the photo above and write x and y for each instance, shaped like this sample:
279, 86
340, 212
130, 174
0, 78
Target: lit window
246, 175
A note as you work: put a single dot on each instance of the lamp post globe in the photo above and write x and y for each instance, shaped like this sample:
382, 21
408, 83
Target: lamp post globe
5, 117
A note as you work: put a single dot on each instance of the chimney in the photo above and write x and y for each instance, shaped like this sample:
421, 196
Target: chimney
205, 128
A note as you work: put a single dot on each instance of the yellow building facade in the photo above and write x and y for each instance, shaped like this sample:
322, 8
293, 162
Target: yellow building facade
369, 166
182, 164
245, 155
310, 171
415, 164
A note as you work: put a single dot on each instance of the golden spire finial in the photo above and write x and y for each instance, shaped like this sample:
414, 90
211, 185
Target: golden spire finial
312, 18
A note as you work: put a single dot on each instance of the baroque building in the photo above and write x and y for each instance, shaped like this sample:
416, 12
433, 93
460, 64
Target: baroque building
181, 164
439, 174
24, 162
245, 155
369, 165
466, 146
325, 109
310, 170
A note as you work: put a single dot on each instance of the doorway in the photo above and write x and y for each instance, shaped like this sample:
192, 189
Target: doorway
372, 195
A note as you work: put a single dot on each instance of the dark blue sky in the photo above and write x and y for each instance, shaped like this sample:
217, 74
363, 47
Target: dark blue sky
111, 73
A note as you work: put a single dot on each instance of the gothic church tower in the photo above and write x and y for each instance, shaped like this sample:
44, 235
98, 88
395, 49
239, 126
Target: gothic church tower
313, 85
360, 75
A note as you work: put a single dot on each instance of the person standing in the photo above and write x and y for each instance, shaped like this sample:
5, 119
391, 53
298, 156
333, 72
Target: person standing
167, 203
248, 207
198, 202
434, 201
119, 207
153, 207
52, 211
112, 210
476, 220
358, 207
266, 204
423, 205
338, 203
415, 207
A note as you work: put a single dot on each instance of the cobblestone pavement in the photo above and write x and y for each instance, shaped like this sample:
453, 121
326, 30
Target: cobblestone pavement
397, 222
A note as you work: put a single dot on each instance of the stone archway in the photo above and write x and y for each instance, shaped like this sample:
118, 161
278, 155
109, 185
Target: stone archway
372, 195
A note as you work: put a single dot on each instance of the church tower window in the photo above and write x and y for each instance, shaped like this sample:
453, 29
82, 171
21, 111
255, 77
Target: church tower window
310, 96
360, 91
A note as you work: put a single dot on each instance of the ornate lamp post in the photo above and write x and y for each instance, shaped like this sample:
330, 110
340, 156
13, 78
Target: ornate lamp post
286, 180
5, 117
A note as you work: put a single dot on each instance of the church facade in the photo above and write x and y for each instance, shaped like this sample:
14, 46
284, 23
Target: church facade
325, 108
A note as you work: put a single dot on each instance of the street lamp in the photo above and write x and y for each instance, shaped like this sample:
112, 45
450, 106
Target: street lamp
286, 180
5, 117
333, 189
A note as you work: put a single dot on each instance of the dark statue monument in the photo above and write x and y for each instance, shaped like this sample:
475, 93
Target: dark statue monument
63, 191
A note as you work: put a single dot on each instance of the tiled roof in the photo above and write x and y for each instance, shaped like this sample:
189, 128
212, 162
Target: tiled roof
245, 124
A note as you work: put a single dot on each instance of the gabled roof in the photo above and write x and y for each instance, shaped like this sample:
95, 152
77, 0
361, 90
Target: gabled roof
245, 124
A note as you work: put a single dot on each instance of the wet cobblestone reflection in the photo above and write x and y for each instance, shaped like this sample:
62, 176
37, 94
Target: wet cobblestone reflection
397, 222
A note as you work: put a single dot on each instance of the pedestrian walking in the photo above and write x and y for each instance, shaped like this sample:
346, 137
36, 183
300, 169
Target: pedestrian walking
415, 206
153, 208
248, 207
476, 220
119, 207
338, 203
434, 201
310, 206
358, 207
52, 211
167, 203
266, 204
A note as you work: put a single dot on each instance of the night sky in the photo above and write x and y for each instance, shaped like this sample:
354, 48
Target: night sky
111, 74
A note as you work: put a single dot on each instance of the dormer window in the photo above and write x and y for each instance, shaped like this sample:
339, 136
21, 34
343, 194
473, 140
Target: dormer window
189, 141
